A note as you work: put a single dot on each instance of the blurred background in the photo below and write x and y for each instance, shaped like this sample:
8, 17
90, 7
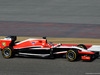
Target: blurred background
51, 18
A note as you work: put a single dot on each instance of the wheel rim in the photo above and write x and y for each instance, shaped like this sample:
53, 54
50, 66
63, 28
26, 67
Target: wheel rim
6, 52
71, 55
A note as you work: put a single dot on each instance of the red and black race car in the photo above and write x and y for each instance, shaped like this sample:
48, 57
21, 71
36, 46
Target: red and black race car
40, 47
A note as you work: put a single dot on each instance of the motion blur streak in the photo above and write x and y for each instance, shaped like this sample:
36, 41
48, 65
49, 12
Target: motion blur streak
70, 30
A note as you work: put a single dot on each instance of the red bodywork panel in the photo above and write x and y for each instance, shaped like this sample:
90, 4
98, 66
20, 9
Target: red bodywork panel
85, 57
33, 43
36, 42
83, 52
4, 43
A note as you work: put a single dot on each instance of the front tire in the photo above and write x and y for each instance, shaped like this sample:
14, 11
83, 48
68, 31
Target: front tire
82, 46
7, 52
72, 55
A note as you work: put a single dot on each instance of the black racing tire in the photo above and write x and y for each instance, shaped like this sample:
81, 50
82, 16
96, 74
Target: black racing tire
82, 46
7, 53
72, 55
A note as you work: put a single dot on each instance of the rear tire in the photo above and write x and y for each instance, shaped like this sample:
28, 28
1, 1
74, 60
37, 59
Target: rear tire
72, 55
7, 52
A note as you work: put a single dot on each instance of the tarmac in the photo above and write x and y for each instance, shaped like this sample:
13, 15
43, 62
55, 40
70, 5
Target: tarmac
41, 66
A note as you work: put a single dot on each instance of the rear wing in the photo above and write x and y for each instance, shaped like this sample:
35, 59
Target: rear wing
8, 41
5, 42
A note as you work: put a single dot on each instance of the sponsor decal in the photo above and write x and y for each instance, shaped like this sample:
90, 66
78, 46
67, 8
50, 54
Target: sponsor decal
33, 42
3, 44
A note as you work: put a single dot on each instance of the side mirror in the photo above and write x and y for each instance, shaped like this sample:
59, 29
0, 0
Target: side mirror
44, 37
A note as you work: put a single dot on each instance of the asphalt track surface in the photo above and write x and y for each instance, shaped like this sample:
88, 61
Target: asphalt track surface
84, 15
41, 66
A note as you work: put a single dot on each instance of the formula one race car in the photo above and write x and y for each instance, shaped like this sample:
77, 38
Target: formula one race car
40, 47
